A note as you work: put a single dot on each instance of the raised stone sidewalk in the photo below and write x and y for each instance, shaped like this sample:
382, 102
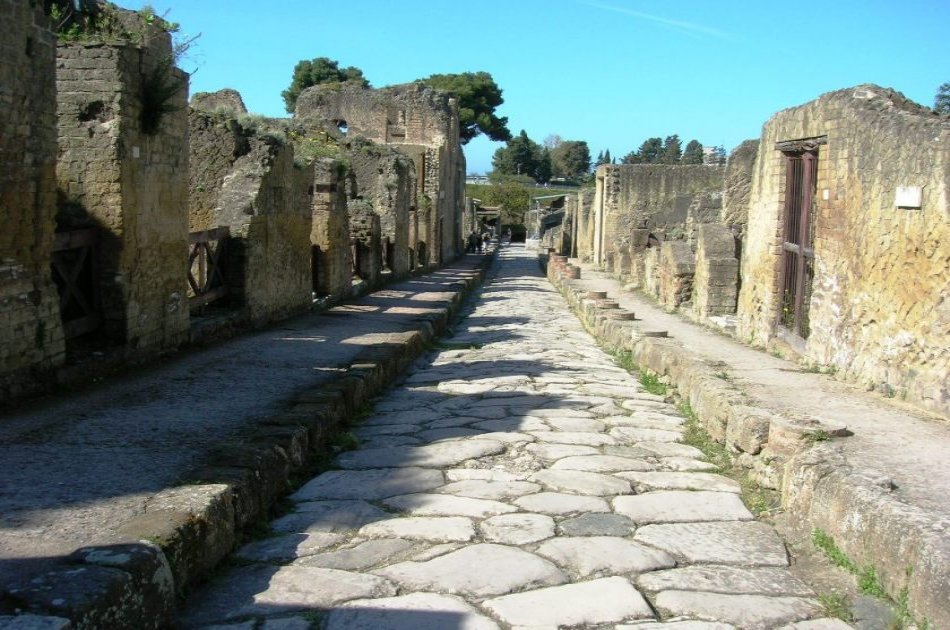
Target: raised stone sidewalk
517, 478
156, 474
869, 471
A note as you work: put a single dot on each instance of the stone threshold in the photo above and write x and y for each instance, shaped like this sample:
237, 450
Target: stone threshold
136, 581
908, 547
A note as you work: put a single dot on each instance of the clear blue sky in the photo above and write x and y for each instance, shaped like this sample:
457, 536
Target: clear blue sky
611, 72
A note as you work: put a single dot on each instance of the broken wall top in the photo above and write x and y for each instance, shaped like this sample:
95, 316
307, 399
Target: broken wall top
411, 113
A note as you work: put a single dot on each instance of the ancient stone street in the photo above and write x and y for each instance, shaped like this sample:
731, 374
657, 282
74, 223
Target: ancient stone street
517, 477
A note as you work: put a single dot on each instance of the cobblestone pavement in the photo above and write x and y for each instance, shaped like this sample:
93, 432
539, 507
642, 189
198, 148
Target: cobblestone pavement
518, 478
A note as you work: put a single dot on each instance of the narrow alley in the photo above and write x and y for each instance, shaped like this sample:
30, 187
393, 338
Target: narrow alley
516, 477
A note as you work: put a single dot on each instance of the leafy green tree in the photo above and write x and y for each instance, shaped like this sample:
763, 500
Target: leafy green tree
570, 159
672, 150
942, 99
693, 153
511, 193
719, 155
523, 156
631, 158
478, 97
316, 72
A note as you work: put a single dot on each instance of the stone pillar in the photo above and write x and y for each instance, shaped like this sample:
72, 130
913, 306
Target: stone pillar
716, 284
366, 242
31, 334
677, 268
330, 232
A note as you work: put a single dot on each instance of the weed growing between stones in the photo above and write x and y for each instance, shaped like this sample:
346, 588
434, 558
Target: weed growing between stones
836, 605
868, 581
651, 383
760, 501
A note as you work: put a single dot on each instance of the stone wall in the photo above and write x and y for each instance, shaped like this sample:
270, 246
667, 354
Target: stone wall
248, 182
31, 334
715, 285
879, 307
581, 206
423, 123
386, 179
124, 178
331, 256
738, 185
677, 267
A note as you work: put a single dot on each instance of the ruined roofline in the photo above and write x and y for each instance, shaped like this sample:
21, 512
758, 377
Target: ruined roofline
875, 98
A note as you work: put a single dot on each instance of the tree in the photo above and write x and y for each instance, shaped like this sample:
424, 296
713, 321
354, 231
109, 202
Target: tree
571, 159
942, 99
631, 158
718, 156
478, 96
511, 193
650, 151
693, 153
523, 156
316, 72
671, 150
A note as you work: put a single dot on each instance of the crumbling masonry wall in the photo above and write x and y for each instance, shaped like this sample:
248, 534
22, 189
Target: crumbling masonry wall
421, 122
127, 181
715, 287
248, 182
386, 179
669, 201
738, 187
31, 334
879, 309
365, 241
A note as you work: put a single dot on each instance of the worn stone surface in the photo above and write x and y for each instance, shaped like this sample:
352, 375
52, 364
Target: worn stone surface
417, 611
756, 612
740, 543
479, 570
682, 506
589, 603
541, 534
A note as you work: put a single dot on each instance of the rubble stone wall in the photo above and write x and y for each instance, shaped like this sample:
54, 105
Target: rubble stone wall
879, 307
31, 333
128, 182
677, 268
249, 183
365, 242
738, 185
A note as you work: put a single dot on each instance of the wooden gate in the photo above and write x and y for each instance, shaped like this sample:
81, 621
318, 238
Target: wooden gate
206, 279
74, 272
798, 256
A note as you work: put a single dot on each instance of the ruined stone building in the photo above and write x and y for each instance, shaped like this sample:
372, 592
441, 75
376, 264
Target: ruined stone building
422, 124
127, 213
828, 239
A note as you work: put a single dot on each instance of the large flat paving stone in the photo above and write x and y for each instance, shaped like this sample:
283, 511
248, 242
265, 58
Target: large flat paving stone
424, 504
682, 506
715, 578
512, 424
586, 556
416, 611
738, 542
587, 483
440, 529
487, 489
633, 435
362, 556
480, 570
264, 589
648, 481
597, 525
670, 449
559, 503
288, 547
676, 625
554, 452
370, 485
603, 601
574, 437
328, 516
578, 425
517, 529
482, 474
602, 464
752, 612
437, 455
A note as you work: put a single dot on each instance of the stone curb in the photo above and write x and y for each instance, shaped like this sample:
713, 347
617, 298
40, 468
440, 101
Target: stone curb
909, 548
189, 529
